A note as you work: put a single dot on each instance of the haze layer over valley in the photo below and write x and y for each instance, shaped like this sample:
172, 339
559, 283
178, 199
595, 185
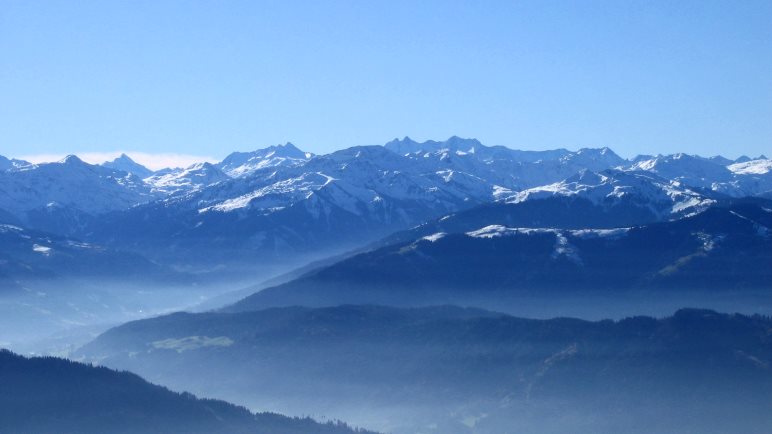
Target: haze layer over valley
575, 237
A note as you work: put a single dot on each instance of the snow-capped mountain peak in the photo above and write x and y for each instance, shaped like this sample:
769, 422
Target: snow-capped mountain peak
595, 158
242, 164
13, 164
126, 164
72, 184
71, 160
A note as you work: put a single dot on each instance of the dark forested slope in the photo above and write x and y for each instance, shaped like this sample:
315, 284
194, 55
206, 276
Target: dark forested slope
51, 395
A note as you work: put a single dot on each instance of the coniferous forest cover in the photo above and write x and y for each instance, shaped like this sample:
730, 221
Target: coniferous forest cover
599, 261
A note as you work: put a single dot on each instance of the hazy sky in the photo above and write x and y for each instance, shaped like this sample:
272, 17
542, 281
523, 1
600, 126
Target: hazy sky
208, 77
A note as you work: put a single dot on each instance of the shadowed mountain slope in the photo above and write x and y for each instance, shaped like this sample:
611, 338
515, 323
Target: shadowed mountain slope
724, 251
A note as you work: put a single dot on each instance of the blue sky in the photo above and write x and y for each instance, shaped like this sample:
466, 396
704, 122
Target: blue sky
204, 78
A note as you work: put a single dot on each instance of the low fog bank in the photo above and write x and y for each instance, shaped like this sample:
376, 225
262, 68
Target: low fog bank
53, 317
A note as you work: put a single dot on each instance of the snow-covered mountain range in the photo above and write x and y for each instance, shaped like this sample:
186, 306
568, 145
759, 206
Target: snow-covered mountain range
281, 201
72, 183
664, 198
176, 237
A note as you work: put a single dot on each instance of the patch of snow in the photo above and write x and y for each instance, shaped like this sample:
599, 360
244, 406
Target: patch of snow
434, 237
41, 249
492, 231
500, 192
446, 175
275, 196
564, 248
496, 231
80, 245
753, 167
599, 233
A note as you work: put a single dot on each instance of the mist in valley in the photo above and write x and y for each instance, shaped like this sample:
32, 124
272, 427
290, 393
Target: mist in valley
385, 217
55, 317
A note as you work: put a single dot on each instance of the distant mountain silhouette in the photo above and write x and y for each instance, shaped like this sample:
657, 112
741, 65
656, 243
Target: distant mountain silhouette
126, 164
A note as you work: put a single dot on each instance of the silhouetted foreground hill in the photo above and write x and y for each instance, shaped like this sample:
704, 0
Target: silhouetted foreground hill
51, 395
452, 370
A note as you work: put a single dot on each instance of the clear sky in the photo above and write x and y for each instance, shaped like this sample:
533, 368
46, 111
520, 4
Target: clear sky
207, 77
